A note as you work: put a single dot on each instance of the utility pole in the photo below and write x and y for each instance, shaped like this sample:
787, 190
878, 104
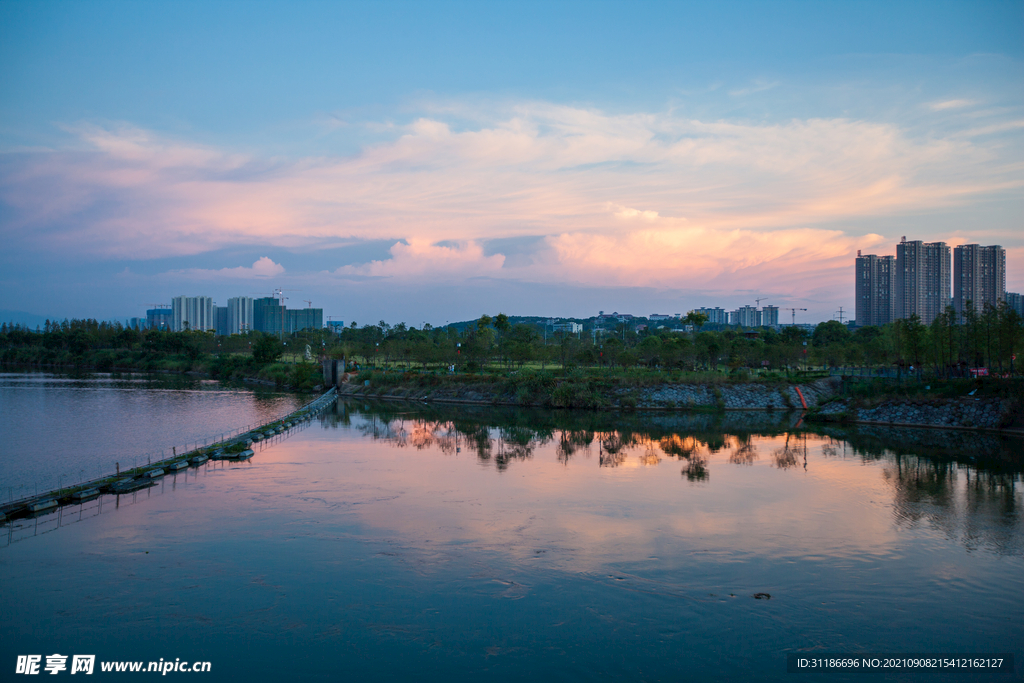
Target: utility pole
840, 314
794, 313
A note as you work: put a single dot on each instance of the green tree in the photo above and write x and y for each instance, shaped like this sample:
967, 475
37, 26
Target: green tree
266, 349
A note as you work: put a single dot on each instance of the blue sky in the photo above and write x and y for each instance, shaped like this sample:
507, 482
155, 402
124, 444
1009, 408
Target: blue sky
434, 161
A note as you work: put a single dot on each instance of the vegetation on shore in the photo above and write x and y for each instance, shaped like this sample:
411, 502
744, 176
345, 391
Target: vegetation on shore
110, 347
525, 360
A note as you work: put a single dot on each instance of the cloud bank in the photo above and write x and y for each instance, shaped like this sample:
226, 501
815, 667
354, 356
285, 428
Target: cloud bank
642, 199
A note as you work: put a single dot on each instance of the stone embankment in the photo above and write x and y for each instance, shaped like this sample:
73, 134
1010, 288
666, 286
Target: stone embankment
750, 396
725, 396
969, 413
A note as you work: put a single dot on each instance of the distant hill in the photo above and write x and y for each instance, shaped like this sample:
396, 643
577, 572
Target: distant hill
30, 320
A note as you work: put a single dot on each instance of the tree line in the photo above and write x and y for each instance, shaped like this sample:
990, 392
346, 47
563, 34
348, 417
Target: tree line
953, 345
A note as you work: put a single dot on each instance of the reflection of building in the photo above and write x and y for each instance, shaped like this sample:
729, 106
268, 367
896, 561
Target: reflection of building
979, 276
192, 313
874, 289
158, 318
922, 279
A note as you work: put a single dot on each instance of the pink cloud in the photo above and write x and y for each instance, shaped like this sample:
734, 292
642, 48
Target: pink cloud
632, 200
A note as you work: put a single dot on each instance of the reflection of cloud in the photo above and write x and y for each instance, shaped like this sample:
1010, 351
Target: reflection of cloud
631, 199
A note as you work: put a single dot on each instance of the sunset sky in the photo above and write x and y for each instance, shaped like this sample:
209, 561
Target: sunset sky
433, 161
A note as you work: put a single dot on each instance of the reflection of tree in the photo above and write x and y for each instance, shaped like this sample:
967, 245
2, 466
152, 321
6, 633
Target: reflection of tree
786, 457
678, 446
515, 443
572, 440
744, 455
696, 469
977, 508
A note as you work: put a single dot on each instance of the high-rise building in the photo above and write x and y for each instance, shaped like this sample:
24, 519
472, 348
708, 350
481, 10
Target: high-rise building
770, 316
158, 318
269, 316
979, 276
192, 313
220, 316
298, 319
1016, 302
745, 316
922, 279
875, 289
716, 316
240, 315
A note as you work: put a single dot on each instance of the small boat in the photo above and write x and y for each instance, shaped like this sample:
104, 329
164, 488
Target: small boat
198, 460
244, 455
41, 505
84, 494
153, 474
132, 485
176, 465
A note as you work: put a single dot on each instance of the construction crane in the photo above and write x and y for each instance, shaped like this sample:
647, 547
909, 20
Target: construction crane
757, 302
309, 304
794, 312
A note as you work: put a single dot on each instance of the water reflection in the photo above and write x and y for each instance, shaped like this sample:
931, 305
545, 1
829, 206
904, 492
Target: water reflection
964, 483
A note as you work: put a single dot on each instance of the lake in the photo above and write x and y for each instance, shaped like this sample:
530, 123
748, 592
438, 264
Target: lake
403, 542
63, 428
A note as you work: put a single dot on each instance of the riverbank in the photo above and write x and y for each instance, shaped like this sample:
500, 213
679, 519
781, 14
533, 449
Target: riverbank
611, 392
951, 405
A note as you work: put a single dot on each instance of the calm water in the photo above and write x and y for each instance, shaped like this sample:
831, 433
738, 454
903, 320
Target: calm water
77, 427
411, 543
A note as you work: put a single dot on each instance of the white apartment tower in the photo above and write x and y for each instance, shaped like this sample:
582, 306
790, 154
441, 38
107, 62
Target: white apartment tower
192, 313
240, 314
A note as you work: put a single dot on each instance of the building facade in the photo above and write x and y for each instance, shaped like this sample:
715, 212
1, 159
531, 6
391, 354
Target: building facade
770, 316
269, 316
192, 313
875, 288
745, 316
922, 279
240, 315
979, 277
716, 316
1016, 302
158, 318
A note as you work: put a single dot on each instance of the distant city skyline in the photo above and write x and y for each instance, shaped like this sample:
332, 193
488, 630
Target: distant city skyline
424, 162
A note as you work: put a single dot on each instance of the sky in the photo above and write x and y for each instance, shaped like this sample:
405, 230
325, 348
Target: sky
431, 162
